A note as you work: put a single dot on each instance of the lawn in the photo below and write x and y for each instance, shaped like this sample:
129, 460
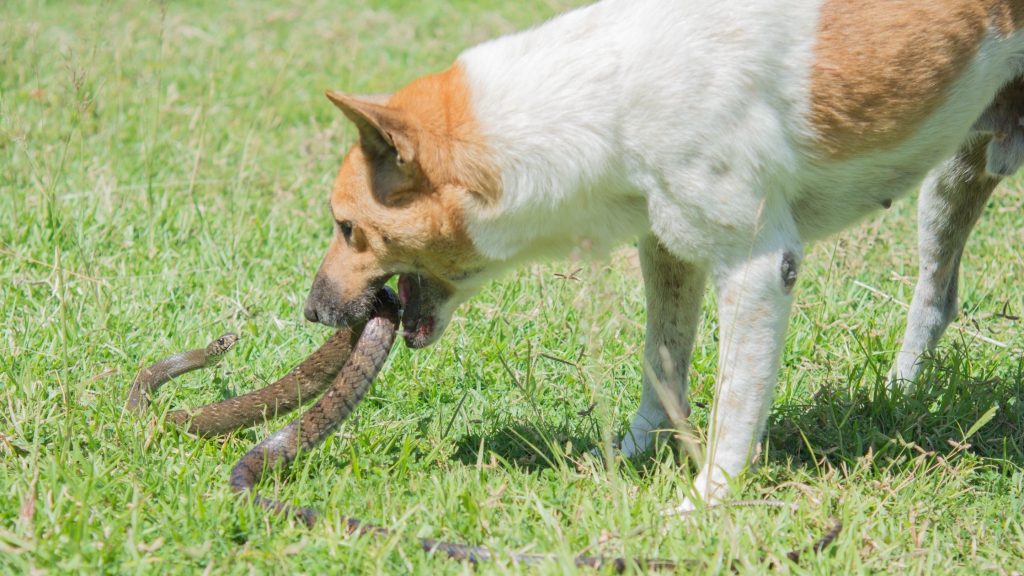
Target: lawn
164, 170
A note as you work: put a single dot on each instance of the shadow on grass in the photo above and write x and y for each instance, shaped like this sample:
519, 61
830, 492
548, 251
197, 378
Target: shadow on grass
952, 409
529, 446
949, 407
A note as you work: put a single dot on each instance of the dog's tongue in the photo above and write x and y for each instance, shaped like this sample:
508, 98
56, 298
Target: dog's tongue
404, 289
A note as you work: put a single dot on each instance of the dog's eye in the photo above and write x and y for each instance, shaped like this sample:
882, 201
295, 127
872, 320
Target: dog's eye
345, 226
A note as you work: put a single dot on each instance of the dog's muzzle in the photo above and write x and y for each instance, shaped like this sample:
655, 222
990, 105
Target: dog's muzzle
323, 304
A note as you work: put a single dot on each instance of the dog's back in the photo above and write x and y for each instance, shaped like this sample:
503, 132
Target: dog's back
840, 106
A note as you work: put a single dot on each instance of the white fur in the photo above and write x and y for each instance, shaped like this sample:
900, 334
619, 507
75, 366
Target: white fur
685, 123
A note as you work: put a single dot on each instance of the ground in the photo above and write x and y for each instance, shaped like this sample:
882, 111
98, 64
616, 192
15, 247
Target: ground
163, 178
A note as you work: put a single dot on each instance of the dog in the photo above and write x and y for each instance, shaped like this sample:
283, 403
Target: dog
723, 136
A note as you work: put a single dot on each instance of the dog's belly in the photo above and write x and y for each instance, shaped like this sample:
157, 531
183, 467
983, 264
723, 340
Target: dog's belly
835, 203
829, 196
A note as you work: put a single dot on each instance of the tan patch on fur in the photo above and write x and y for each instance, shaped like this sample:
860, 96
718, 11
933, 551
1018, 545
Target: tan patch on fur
1007, 17
456, 152
882, 66
423, 228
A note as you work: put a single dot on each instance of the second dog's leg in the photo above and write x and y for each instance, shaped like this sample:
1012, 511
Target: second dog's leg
952, 198
674, 290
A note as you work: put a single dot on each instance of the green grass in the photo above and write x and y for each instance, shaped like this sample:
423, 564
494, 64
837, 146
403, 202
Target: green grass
163, 176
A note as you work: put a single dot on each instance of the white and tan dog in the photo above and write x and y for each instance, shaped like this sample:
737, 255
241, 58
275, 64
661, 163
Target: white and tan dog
723, 135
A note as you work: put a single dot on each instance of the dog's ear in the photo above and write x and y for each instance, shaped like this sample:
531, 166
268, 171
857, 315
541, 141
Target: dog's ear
385, 134
387, 138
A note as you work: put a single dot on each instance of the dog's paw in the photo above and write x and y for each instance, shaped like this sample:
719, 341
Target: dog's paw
635, 443
684, 508
706, 493
631, 445
902, 378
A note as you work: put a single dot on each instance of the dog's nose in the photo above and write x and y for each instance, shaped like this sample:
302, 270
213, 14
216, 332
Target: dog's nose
321, 303
311, 314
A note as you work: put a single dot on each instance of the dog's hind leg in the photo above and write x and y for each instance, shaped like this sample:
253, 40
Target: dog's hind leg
674, 292
952, 198
1003, 120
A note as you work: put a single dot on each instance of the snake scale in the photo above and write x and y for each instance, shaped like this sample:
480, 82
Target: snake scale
342, 370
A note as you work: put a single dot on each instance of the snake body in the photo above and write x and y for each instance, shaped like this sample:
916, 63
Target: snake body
345, 365
347, 389
157, 374
305, 382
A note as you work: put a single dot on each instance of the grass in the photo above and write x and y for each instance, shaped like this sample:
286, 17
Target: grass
163, 174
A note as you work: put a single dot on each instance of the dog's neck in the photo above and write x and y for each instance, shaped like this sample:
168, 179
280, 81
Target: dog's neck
545, 103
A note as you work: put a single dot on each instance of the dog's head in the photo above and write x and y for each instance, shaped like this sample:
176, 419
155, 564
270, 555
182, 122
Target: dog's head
399, 207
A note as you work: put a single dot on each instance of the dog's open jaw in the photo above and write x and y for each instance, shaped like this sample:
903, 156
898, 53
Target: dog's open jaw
422, 299
425, 307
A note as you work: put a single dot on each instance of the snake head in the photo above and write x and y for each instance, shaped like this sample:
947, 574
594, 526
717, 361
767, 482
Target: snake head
216, 349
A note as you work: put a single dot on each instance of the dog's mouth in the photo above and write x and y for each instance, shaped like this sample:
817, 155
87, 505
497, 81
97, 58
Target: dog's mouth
421, 298
425, 305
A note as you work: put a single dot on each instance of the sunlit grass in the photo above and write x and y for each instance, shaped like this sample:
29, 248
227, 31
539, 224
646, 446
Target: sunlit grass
163, 173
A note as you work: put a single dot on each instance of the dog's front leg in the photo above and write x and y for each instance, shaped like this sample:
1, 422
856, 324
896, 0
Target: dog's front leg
674, 292
754, 298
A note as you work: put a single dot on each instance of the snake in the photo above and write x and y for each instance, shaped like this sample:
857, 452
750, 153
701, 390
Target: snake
340, 372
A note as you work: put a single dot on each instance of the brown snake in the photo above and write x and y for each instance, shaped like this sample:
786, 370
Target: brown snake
345, 366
